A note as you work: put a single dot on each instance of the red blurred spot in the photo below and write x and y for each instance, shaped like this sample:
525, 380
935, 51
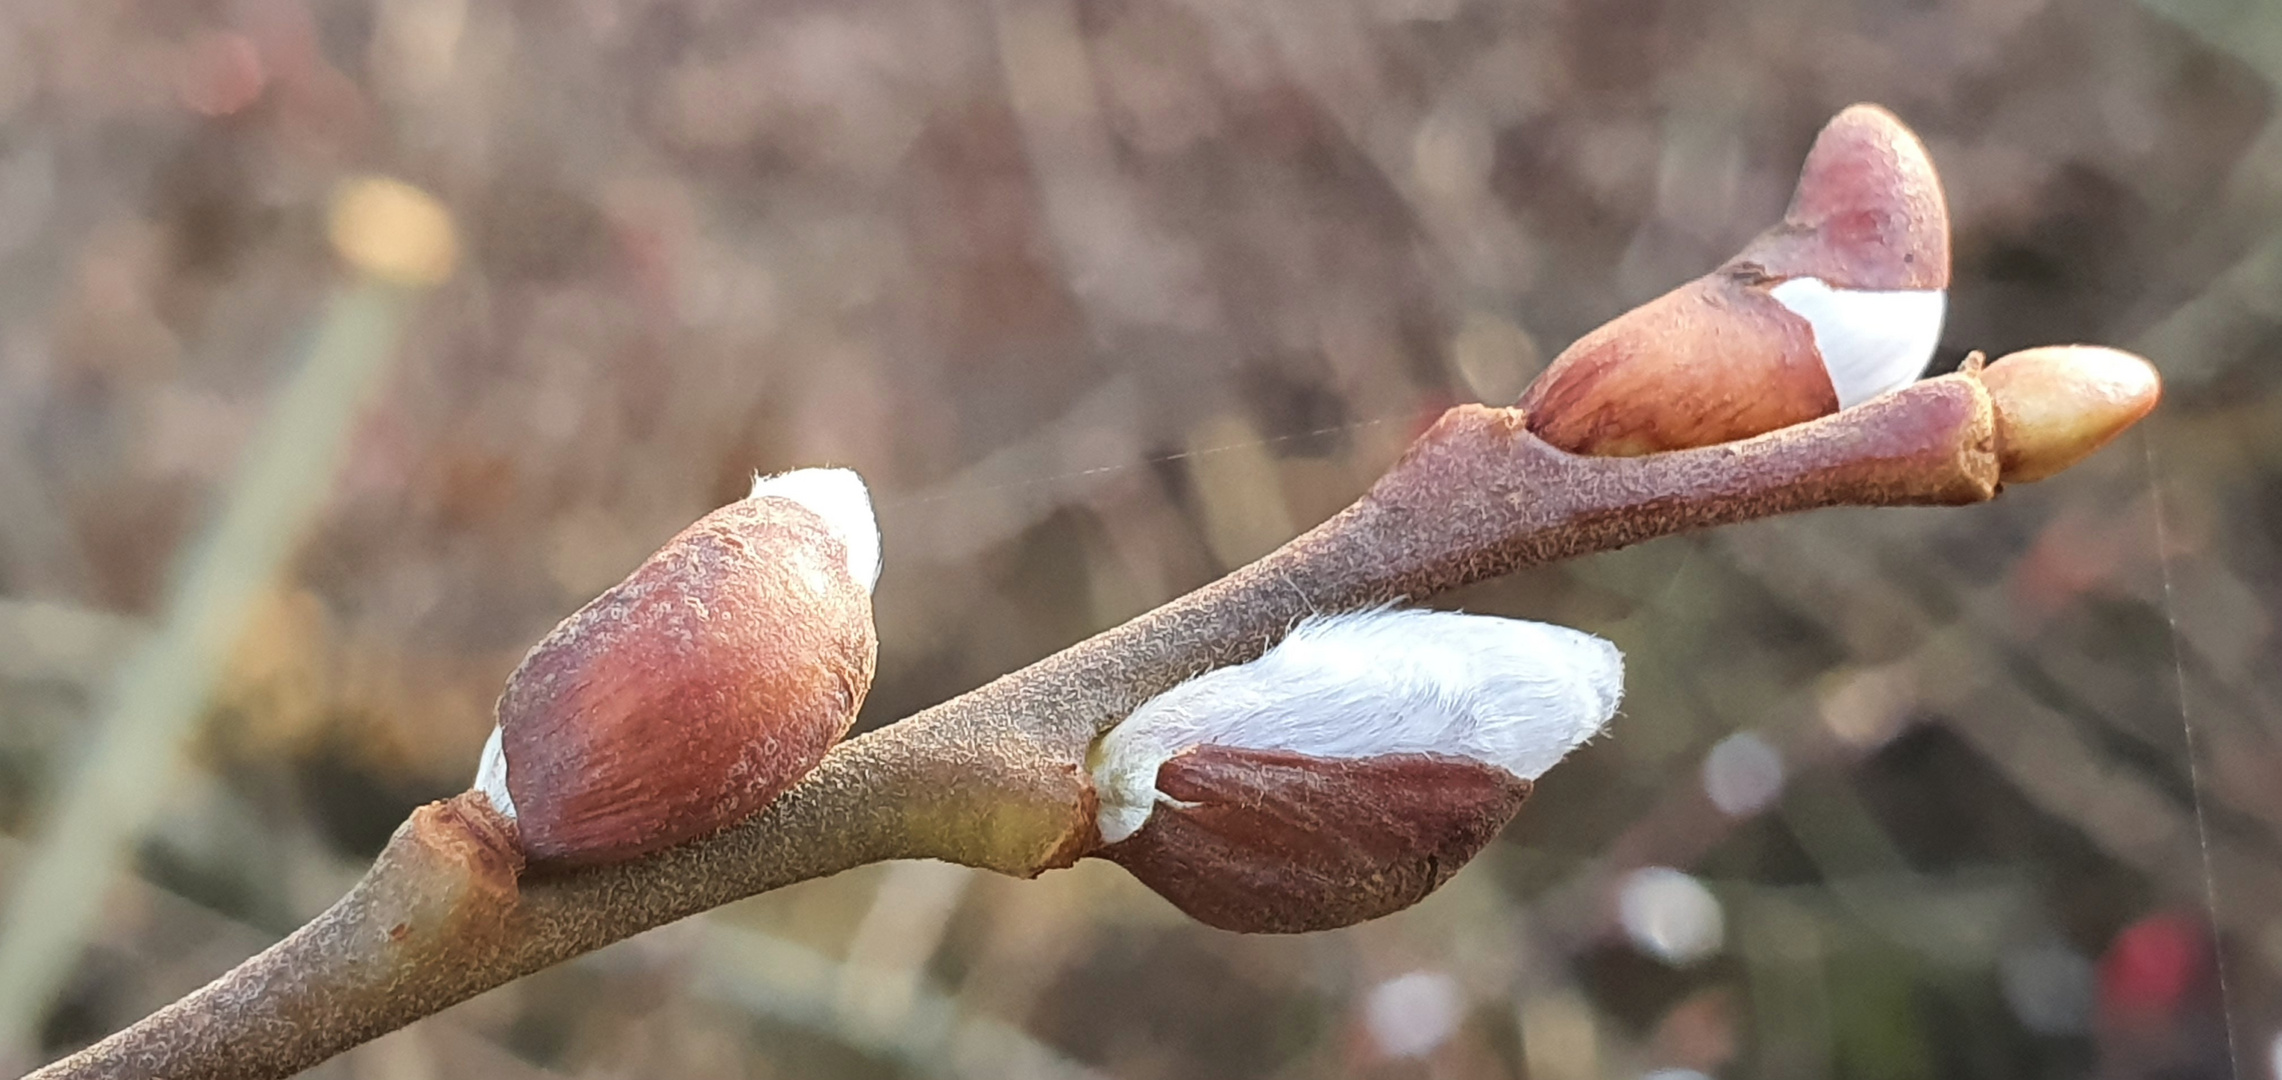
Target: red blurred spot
221, 74
2151, 967
2075, 554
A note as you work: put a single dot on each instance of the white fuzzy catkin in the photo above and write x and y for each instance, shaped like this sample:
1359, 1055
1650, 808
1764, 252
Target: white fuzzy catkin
1872, 340
491, 775
840, 498
1514, 694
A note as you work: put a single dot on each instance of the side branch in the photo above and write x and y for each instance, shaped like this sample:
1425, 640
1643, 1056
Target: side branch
996, 777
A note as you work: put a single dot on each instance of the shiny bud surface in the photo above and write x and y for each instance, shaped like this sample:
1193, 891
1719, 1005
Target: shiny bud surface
1268, 841
2057, 404
1350, 770
690, 695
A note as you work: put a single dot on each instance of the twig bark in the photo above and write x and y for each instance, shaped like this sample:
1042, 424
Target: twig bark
996, 778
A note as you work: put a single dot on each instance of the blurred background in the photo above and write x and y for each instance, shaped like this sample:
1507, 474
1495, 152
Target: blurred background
347, 345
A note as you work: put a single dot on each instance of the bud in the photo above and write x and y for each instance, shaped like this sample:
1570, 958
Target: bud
2057, 404
692, 694
1351, 770
1841, 302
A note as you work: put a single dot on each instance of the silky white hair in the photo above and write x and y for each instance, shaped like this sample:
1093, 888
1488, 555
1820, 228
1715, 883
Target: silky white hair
840, 498
1514, 694
1872, 340
491, 775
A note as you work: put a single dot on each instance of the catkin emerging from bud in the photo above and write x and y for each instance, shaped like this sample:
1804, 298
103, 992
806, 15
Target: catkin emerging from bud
1349, 771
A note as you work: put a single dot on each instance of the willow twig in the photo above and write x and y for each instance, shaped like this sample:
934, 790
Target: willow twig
995, 778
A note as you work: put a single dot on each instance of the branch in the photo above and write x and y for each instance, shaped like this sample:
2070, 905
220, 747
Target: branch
996, 777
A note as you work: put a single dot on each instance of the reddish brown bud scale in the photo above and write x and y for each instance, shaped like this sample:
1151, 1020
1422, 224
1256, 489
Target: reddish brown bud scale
1840, 302
690, 695
1868, 212
1348, 771
1269, 841
1665, 375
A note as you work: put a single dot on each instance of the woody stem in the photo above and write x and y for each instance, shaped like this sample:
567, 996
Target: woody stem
995, 777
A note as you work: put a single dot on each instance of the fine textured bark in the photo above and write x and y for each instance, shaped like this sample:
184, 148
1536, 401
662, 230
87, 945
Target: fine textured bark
995, 778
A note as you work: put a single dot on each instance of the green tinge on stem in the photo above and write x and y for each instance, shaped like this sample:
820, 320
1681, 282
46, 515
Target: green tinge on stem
154, 701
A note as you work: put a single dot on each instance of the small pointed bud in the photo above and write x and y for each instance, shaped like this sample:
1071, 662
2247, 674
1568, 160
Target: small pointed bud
1351, 770
692, 694
1841, 302
2057, 404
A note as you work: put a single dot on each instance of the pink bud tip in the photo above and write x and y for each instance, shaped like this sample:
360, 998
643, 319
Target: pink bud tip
1868, 212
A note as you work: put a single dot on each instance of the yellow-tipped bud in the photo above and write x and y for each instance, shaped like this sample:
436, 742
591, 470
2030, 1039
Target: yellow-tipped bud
2058, 403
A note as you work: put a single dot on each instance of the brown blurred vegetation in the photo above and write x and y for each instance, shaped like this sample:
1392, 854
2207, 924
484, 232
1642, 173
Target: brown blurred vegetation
1105, 297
